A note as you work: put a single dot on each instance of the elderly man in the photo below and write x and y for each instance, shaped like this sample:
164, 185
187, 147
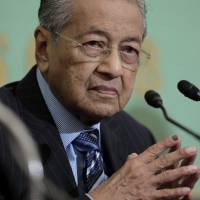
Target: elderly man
88, 54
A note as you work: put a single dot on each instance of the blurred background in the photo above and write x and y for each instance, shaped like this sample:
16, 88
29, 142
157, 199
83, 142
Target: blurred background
173, 41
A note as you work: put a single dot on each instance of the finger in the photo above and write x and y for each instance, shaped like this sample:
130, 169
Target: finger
185, 162
177, 146
172, 149
190, 181
189, 161
169, 194
174, 166
155, 150
187, 197
174, 174
171, 158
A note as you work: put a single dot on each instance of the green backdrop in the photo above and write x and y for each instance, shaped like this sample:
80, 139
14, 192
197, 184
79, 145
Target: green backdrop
173, 40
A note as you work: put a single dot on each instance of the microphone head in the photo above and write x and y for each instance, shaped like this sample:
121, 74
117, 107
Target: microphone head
153, 99
189, 90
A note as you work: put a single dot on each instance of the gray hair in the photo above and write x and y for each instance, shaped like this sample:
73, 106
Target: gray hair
54, 15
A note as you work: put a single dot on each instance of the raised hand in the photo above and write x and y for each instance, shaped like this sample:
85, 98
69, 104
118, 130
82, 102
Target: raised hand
143, 176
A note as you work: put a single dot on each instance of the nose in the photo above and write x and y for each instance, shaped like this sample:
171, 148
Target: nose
111, 65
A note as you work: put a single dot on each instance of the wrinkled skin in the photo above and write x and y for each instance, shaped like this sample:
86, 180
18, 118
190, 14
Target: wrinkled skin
143, 176
95, 90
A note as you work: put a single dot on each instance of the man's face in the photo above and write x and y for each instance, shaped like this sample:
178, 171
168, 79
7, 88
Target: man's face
95, 90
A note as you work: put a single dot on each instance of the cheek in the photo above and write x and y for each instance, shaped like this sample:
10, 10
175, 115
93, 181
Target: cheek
69, 88
128, 86
71, 81
69, 73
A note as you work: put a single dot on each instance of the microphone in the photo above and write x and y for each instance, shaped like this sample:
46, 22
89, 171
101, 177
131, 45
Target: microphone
189, 90
154, 99
27, 155
24, 149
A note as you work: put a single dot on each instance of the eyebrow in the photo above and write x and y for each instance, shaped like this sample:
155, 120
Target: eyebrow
95, 30
133, 39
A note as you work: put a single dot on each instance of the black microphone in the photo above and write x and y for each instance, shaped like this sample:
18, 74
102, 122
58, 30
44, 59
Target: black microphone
189, 90
154, 99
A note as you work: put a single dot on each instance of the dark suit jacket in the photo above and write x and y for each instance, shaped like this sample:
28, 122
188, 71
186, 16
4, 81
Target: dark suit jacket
121, 135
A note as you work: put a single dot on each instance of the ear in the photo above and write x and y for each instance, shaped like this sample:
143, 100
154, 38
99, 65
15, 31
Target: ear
42, 42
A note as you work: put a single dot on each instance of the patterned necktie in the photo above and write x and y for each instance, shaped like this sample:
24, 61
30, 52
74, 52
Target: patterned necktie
88, 144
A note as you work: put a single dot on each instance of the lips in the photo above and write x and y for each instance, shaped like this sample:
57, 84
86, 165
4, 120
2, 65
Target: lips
105, 90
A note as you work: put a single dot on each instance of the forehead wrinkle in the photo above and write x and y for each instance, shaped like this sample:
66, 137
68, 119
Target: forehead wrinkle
95, 30
129, 1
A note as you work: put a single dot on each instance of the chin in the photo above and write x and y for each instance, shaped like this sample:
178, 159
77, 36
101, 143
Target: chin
96, 113
94, 108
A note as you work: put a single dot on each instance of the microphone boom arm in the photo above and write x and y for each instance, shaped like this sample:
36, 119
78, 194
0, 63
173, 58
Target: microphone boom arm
178, 124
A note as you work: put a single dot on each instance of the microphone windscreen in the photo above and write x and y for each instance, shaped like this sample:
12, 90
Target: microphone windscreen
189, 90
153, 99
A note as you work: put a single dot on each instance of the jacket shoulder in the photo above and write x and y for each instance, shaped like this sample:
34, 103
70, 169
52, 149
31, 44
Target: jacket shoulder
8, 95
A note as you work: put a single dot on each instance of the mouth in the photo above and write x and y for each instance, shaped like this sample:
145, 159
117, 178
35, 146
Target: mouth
105, 91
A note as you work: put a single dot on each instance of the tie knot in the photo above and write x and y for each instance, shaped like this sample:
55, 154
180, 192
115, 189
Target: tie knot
88, 140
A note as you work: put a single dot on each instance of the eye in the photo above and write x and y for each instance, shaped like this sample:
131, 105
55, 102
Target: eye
94, 44
129, 50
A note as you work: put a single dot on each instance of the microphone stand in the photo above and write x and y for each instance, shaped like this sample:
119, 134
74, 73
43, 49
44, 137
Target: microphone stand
24, 151
178, 124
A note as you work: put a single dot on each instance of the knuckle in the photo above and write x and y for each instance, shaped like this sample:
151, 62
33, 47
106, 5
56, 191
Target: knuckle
181, 152
168, 142
183, 170
162, 178
165, 193
164, 175
181, 191
152, 151
163, 162
174, 193
132, 156
133, 164
156, 149
163, 145
187, 169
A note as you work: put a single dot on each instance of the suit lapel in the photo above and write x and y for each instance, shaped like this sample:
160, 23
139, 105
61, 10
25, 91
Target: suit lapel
113, 152
38, 118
